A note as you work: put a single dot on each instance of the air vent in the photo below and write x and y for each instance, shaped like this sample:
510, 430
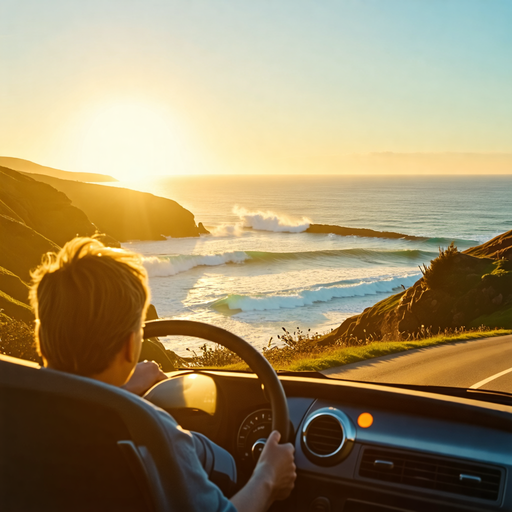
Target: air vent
327, 436
453, 476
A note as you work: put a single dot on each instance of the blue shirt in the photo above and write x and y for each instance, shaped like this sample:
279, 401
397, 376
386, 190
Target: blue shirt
205, 495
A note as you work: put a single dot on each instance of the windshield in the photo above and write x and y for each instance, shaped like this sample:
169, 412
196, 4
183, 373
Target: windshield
269, 272
333, 163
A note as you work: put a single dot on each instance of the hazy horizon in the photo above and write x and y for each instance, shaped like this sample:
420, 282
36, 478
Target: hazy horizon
137, 89
383, 164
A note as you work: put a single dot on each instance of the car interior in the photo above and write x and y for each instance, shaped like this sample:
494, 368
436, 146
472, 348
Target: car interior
71, 443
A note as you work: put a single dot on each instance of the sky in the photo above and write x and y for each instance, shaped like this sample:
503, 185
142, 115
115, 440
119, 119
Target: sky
162, 87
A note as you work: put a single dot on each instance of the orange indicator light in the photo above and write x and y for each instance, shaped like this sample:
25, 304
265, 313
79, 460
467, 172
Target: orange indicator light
365, 420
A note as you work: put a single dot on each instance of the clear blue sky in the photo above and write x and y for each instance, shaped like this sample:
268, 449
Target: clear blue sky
258, 86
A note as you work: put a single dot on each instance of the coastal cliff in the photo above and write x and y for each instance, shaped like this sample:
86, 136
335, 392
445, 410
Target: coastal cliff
127, 214
14, 297
458, 290
36, 217
42, 207
20, 165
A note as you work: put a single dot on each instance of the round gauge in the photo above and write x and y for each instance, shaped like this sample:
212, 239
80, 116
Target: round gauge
256, 426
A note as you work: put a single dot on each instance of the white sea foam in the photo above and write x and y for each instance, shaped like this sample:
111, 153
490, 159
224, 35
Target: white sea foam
270, 221
172, 265
162, 266
225, 229
308, 297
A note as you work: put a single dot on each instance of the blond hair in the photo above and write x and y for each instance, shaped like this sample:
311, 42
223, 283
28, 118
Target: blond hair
87, 299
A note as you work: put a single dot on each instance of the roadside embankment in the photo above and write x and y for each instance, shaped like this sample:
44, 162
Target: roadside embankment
300, 353
458, 290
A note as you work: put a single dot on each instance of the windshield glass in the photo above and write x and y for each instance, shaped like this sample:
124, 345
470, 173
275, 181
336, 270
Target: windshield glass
342, 172
271, 273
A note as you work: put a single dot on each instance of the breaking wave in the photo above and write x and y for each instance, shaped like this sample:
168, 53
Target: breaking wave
270, 221
398, 256
225, 229
171, 265
307, 297
277, 223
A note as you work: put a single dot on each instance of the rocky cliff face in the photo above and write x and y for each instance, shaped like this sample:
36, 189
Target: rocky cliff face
457, 290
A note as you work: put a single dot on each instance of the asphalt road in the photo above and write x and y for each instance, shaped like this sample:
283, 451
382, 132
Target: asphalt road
477, 364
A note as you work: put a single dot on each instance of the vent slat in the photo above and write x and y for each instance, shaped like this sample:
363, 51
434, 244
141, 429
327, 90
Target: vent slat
331, 439
325, 432
324, 436
323, 429
320, 443
335, 439
432, 473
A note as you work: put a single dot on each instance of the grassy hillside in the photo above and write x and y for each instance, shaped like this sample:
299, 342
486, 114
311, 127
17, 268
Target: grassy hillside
13, 308
22, 247
128, 214
457, 290
36, 218
42, 207
11, 284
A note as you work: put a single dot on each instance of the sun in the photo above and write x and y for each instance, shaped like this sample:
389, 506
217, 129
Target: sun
132, 140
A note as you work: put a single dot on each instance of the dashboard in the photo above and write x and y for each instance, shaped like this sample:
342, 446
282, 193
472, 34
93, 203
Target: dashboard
358, 447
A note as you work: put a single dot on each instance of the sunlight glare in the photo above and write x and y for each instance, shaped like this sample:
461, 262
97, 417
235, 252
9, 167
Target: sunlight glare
133, 140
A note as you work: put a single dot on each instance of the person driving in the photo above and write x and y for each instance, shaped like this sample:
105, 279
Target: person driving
90, 302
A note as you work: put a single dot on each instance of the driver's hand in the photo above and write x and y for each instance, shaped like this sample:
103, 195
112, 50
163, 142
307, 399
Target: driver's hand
276, 462
144, 377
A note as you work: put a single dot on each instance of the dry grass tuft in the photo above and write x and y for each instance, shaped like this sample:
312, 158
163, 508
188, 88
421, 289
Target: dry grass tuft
17, 340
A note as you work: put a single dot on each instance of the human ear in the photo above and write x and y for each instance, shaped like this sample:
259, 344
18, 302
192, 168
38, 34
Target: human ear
131, 349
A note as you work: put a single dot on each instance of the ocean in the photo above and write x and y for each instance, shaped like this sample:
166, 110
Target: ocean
259, 271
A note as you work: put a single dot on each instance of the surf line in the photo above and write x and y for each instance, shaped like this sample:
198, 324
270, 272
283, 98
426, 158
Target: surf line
368, 233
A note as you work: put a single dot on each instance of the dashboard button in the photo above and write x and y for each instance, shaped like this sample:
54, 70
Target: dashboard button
257, 448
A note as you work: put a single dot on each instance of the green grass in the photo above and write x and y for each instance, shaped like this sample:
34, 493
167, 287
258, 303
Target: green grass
340, 356
387, 304
501, 317
343, 356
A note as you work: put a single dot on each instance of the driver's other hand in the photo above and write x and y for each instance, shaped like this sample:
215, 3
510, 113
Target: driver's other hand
144, 377
276, 462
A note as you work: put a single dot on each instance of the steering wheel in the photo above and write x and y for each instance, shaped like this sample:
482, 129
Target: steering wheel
254, 359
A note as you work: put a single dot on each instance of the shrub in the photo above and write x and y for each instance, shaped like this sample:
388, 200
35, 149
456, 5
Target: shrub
435, 275
294, 345
213, 356
302, 345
